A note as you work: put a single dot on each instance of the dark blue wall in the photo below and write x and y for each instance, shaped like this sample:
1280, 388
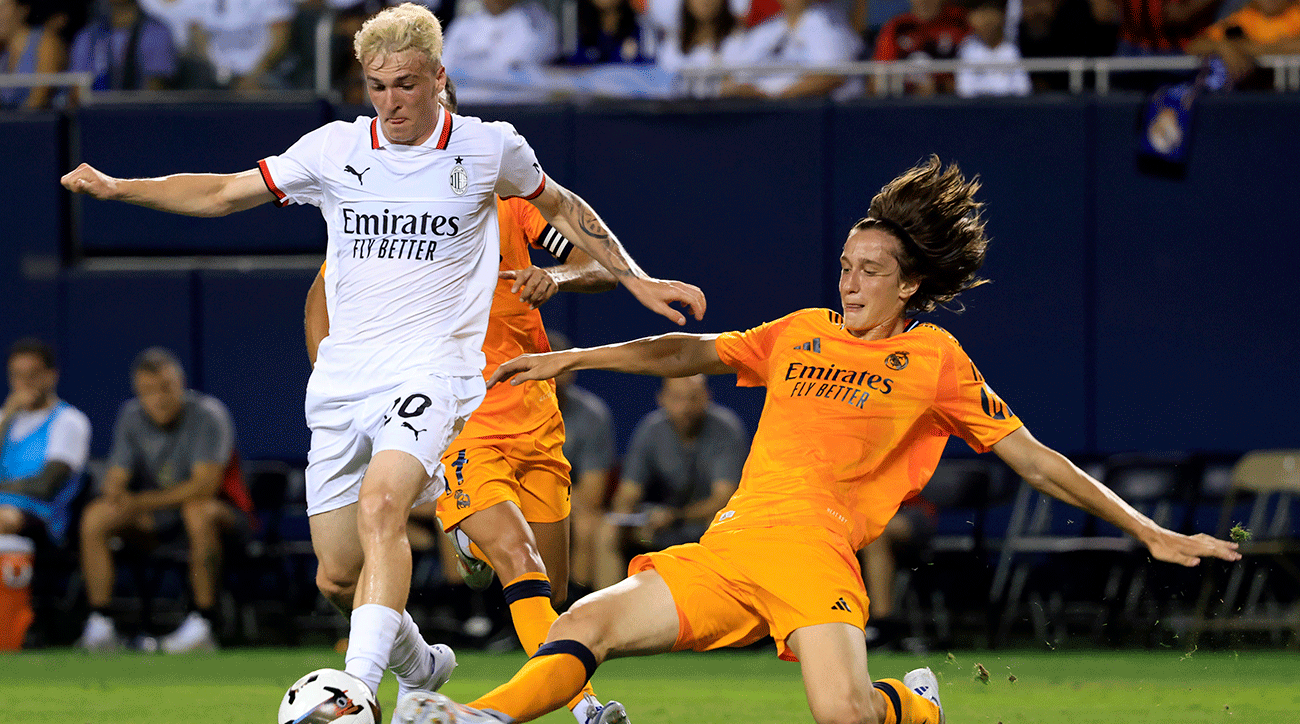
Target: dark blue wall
1126, 312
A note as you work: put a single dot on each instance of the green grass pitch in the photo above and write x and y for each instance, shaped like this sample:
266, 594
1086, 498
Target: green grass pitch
1105, 687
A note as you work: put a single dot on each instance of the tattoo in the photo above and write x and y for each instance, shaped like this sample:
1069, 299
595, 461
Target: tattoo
592, 227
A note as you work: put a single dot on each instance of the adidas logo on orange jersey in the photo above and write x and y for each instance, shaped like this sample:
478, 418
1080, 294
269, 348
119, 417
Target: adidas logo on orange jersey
813, 346
841, 605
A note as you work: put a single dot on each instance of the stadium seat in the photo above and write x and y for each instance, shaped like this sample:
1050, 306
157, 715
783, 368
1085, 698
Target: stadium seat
1052, 540
1270, 479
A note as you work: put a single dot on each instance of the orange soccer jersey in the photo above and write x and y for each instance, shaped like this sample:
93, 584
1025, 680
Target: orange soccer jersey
514, 329
850, 428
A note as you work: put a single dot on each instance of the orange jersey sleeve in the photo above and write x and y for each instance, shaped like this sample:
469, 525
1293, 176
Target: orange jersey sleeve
968, 408
750, 352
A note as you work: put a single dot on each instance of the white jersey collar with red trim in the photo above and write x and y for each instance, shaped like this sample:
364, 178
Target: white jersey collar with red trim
437, 140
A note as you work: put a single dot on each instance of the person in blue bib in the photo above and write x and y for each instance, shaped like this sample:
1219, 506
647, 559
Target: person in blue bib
45, 445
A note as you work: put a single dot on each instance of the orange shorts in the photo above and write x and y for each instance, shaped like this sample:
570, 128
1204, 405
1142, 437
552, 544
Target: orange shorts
529, 470
734, 587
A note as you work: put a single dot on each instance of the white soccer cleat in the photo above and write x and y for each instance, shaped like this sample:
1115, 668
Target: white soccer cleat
99, 634
194, 634
444, 662
477, 573
924, 684
611, 713
427, 707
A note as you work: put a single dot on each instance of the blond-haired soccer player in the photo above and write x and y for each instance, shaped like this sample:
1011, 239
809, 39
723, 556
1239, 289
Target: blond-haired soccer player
409, 199
859, 406
508, 480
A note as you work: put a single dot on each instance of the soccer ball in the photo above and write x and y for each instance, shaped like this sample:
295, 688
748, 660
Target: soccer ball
327, 696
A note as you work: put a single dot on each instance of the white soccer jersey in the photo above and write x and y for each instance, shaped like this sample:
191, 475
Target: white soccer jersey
413, 244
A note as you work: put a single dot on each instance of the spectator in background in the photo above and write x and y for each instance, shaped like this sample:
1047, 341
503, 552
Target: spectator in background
1063, 29
589, 448
707, 35
987, 43
349, 15
178, 16
173, 454
45, 443
609, 32
683, 464
125, 49
931, 31
241, 41
27, 47
504, 35
1264, 27
907, 533
806, 32
1155, 27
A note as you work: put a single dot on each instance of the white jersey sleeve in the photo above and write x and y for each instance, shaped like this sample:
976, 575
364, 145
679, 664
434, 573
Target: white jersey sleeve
69, 439
521, 175
294, 177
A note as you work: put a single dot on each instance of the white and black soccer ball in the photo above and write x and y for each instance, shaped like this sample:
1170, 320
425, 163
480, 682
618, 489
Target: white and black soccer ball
327, 696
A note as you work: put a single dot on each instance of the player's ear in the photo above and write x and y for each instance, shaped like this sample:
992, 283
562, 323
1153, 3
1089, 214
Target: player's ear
907, 287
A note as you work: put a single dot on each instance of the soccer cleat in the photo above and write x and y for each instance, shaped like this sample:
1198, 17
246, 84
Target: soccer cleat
427, 707
194, 634
477, 574
925, 685
611, 713
99, 634
444, 662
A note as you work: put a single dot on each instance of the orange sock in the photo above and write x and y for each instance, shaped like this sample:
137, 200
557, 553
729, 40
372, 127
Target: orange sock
554, 675
904, 706
529, 598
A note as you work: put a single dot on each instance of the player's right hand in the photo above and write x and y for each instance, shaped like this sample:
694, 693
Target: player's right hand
86, 179
529, 367
659, 296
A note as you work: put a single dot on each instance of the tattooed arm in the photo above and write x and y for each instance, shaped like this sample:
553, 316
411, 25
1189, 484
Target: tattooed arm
580, 224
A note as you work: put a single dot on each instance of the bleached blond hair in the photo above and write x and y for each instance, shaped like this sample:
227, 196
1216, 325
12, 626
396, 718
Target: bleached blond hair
393, 30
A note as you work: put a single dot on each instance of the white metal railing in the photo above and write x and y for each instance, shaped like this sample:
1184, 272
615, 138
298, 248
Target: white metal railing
891, 76
80, 81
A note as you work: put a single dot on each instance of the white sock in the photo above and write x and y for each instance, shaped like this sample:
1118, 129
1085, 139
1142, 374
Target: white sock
370, 642
410, 659
585, 708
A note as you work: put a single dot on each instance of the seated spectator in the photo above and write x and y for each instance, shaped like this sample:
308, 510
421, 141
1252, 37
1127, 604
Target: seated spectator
125, 49
609, 32
1156, 27
177, 15
806, 32
681, 468
707, 35
908, 532
931, 31
173, 455
1264, 27
987, 43
589, 448
241, 41
45, 443
1062, 29
26, 47
504, 35
349, 15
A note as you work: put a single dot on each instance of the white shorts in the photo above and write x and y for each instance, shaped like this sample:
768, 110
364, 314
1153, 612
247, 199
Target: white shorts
420, 417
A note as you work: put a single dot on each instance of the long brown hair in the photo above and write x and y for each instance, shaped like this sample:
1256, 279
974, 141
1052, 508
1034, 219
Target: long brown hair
933, 213
724, 22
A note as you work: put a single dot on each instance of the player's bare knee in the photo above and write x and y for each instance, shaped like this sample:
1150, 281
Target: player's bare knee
587, 623
844, 711
381, 515
337, 587
11, 520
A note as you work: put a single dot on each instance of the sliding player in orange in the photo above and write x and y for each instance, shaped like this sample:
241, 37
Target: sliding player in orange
507, 477
858, 409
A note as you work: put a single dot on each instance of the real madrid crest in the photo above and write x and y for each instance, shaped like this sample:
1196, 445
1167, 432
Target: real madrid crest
459, 178
896, 361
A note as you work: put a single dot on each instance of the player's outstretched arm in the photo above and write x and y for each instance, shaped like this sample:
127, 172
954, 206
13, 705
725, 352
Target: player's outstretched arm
1051, 473
668, 355
575, 218
190, 194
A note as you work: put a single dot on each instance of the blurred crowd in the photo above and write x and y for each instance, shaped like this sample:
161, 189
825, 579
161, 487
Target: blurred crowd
272, 44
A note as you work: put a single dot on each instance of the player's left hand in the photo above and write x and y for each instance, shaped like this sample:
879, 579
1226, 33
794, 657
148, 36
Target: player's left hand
534, 285
659, 296
1188, 550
